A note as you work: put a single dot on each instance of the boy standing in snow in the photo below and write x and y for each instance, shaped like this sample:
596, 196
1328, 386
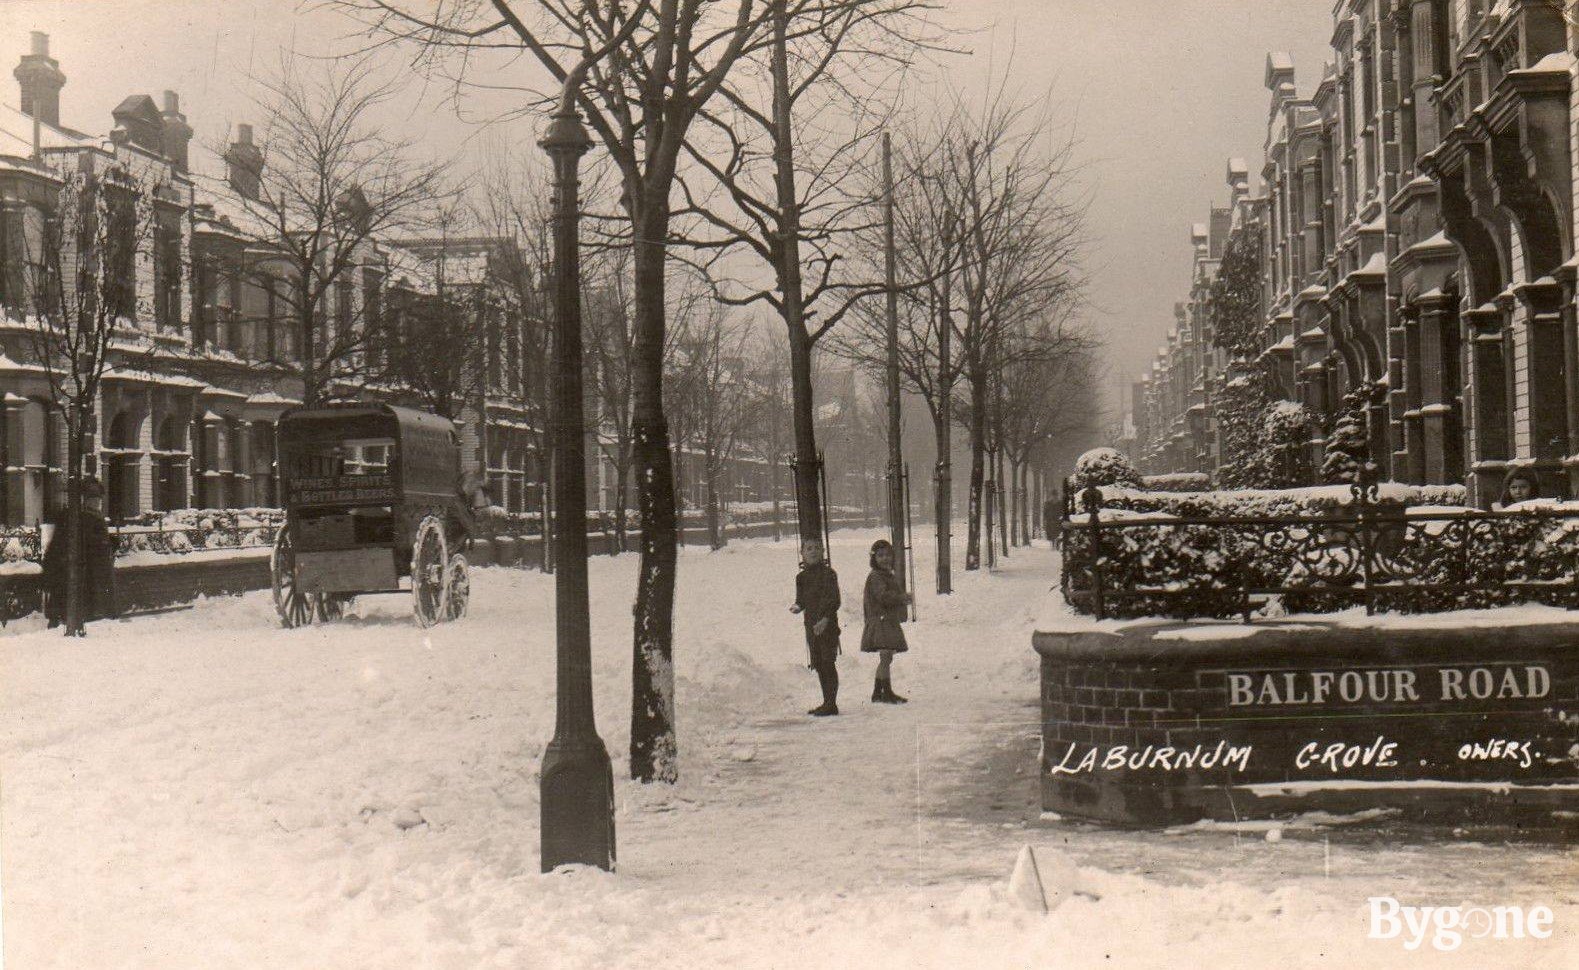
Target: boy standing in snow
817, 600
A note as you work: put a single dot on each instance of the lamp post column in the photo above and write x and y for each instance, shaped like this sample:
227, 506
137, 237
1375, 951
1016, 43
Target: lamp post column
577, 781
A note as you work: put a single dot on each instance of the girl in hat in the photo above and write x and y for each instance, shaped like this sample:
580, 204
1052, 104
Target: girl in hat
883, 607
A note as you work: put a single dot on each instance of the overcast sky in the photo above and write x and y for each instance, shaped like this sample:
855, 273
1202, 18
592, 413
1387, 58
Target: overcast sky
1163, 92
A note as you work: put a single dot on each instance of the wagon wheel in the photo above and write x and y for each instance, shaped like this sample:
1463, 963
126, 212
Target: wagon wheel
430, 593
295, 607
460, 587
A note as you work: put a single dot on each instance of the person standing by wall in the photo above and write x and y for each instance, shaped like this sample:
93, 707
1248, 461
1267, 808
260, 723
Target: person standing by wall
98, 561
817, 601
883, 607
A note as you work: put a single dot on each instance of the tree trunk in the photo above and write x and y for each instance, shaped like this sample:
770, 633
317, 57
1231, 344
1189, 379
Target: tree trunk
808, 499
621, 493
1028, 503
942, 504
75, 571
715, 537
773, 476
978, 472
654, 755
1002, 504
944, 426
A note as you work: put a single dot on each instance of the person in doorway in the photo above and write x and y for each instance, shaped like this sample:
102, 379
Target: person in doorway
1519, 486
883, 608
817, 601
98, 561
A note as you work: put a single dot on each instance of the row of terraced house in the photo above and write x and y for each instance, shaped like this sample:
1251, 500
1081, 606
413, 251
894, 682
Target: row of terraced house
202, 368
1415, 228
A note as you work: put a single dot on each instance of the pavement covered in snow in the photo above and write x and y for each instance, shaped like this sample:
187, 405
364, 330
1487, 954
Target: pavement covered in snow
204, 789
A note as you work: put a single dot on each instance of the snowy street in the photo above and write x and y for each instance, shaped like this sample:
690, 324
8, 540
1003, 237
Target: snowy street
205, 789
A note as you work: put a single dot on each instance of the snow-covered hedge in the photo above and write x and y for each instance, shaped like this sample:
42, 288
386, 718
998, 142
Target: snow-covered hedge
1178, 482
1259, 502
188, 530
1104, 467
1533, 544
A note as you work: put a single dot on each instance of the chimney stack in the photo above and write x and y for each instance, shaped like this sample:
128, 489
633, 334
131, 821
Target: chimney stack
40, 78
244, 163
177, 133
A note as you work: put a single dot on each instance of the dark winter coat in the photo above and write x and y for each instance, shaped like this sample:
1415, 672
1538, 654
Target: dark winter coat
883, 606
817, 595
98, 564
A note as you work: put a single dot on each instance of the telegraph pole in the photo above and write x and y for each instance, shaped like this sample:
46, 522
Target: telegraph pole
577, 781
896, 487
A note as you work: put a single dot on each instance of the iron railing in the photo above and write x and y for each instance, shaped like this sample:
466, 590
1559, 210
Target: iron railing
1368, 552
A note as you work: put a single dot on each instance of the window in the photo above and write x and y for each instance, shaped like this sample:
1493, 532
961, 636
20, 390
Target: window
268, 346
120, 255
378, 339
167, 277
204, 293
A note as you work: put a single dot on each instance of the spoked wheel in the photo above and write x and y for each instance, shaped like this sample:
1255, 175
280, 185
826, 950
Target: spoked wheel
460, 587
295, 607
430, 591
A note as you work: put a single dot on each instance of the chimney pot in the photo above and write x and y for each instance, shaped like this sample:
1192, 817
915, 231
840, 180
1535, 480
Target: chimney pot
172, 103
244, 134
39, 78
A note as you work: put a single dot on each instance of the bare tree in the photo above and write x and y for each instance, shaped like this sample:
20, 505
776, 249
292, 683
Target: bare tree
776, 184
1021, 238
927, 229
511, 204
724, 407
666, 59
988, 231
437, 332
772, 431
610, 344
1049, 393
79, 282
324, 184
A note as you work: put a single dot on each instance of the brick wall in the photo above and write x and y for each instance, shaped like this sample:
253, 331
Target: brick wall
1140, 729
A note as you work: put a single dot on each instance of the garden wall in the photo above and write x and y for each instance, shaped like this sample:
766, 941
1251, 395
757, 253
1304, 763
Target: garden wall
145, 582
1471, 720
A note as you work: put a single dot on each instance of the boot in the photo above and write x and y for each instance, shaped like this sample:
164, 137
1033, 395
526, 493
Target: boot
883, 693
828, 678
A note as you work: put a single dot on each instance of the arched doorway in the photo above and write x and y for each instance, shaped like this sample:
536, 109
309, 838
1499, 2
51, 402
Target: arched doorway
120, 466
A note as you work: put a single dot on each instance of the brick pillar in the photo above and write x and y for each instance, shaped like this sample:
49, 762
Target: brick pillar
1491, 434
1547, 380
1438, 418
143, 472
1567, 277
1412, 395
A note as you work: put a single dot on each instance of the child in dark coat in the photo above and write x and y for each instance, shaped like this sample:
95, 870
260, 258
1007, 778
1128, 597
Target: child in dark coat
883, 606
817, 601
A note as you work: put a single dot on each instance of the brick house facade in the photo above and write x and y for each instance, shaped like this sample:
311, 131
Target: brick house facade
1418, 218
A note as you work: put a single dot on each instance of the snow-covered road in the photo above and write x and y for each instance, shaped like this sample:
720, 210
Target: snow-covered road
203, 789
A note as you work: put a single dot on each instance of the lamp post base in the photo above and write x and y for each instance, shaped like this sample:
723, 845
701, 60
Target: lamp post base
576, 793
